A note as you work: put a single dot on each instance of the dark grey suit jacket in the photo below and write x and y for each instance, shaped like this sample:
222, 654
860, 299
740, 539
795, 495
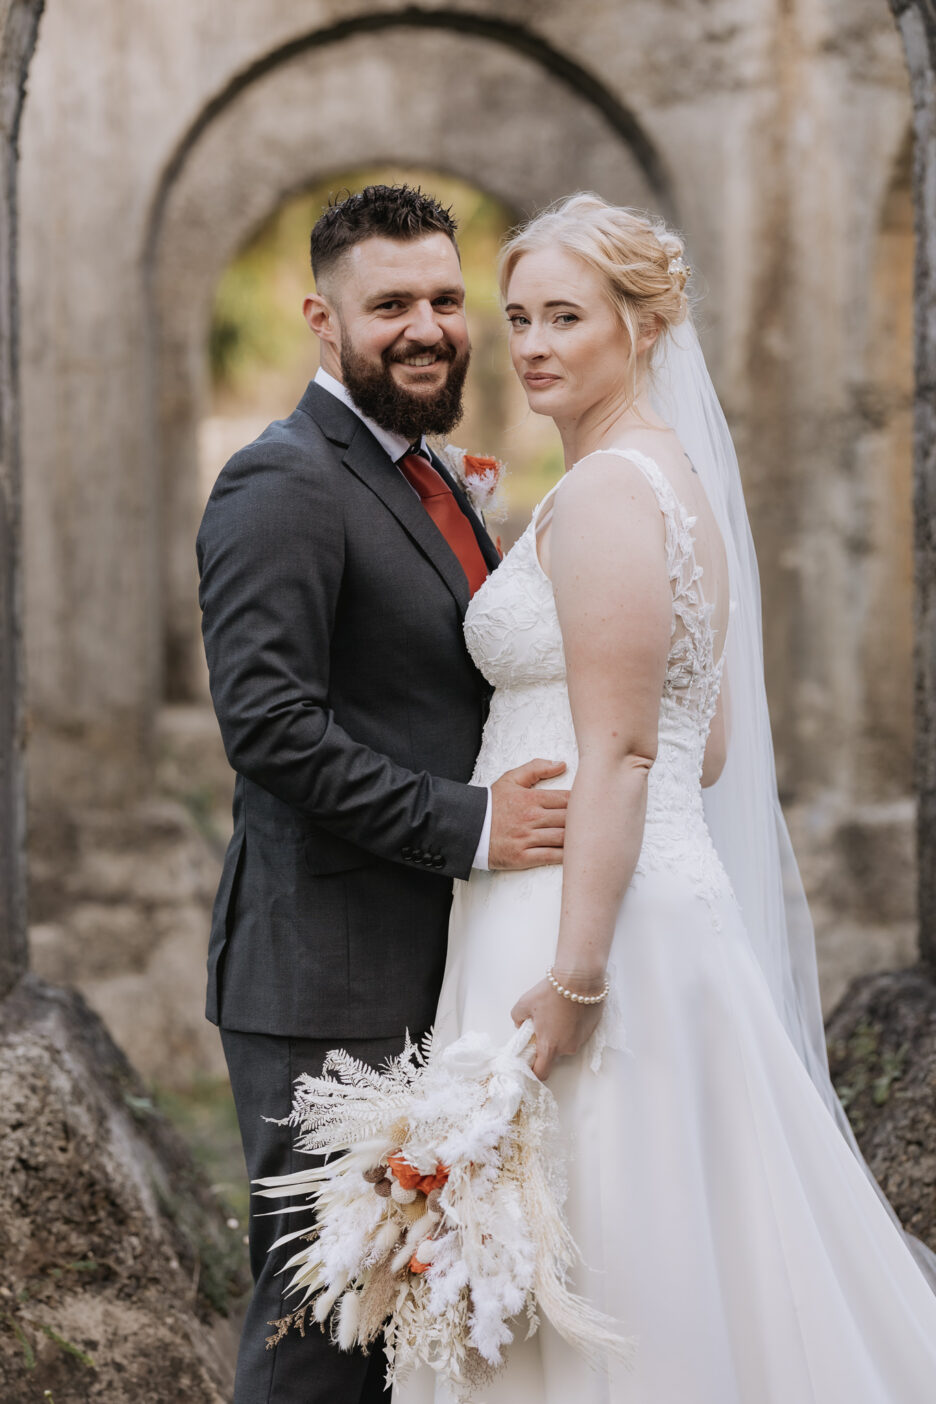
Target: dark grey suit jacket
349, 707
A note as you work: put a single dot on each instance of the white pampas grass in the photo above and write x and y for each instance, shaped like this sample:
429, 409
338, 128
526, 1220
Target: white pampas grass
349, 1317
470, 1235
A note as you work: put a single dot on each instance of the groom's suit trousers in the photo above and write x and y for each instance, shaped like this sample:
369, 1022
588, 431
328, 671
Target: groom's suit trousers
299, 1370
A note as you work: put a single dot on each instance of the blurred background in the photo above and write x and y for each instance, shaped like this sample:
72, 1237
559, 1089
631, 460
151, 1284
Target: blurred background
173, 160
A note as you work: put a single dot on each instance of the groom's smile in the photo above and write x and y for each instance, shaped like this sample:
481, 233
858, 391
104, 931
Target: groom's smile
422, 365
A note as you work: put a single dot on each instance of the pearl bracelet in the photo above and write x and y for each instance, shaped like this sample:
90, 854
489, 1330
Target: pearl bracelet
578, 998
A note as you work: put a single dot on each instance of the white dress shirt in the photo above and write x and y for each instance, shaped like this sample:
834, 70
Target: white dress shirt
396, 445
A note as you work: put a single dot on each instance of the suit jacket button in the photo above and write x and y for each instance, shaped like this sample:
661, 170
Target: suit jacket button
438, 861
406, 852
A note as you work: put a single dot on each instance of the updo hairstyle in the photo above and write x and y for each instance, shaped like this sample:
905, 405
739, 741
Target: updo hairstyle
640, 260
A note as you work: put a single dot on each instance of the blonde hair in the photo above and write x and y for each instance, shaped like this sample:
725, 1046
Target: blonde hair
640, 260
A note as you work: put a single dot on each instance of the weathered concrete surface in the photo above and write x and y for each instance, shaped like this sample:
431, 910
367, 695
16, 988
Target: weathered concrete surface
117, 1263
121, 908
19, 20
917, 21
859, 870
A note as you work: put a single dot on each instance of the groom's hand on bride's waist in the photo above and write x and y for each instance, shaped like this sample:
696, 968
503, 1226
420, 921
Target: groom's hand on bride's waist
527, 825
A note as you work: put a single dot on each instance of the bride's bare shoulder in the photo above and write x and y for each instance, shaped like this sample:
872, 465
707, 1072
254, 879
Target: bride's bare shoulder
604, 482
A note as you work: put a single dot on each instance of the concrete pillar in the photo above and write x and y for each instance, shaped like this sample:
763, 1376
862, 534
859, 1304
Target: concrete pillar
19, 21
917, 22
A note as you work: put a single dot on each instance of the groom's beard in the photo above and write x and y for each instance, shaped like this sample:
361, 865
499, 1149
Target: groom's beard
377, 395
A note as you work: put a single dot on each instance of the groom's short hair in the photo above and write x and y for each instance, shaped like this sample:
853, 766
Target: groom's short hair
387, 211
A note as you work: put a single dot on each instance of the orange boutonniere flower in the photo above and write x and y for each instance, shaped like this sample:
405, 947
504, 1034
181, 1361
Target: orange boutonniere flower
480, 476
479, 466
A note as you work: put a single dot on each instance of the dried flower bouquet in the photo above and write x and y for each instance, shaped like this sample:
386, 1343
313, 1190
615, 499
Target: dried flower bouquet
437, 1214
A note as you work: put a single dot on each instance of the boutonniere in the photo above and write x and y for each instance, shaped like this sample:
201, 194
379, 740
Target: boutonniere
480, 476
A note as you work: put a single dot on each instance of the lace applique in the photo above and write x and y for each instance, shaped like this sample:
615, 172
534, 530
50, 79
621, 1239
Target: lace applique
512, 631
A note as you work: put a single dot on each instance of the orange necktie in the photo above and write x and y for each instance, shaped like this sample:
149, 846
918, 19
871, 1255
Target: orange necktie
439, 501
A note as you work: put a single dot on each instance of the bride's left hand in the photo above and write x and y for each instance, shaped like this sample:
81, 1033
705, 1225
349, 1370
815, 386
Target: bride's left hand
561, 1026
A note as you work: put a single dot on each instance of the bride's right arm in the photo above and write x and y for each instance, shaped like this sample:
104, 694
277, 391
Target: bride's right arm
614, 600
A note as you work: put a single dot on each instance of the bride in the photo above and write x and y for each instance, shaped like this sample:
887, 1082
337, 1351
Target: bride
723, 1211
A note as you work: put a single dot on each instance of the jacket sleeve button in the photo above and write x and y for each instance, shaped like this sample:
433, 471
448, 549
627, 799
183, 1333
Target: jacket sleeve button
406, 852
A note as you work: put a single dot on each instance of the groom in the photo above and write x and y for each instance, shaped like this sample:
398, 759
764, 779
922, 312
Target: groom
337, 557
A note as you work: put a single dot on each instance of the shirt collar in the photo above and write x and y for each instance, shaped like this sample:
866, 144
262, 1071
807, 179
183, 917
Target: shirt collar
393, 444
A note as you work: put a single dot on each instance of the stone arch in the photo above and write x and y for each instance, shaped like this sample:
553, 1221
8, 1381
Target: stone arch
256, 144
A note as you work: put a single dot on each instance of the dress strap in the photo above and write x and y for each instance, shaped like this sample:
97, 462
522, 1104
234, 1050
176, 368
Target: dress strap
540, 521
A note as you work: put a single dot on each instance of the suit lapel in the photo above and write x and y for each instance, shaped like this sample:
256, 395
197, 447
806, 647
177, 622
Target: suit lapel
365, 458
369, 462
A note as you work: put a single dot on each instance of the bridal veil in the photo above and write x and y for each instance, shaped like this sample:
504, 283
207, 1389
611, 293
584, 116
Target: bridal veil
743, 808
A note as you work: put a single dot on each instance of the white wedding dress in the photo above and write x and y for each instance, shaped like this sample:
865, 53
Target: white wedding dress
721, 1216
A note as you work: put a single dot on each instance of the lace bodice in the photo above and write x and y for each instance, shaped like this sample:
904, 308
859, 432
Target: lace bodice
512, 631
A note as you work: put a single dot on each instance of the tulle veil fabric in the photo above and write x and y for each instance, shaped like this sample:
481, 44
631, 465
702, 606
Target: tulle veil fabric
743, 807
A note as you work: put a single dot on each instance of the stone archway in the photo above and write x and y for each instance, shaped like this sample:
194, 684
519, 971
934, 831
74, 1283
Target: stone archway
289, 124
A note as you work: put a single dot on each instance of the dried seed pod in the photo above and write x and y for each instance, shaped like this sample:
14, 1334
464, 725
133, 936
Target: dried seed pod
415, 1210
379, 1172
433, 1201
383, 1188
401, 1195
